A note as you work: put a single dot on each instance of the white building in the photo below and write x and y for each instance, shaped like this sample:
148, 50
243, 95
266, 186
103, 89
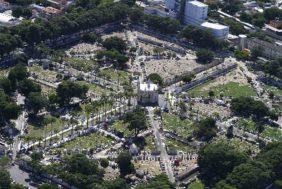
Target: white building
148, 93
195, 13
219, 31
170, 4
6, 19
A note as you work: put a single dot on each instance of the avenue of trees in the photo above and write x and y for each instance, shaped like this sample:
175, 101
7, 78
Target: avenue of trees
259, 19
202, 38
74, 20
223, 166
163, 25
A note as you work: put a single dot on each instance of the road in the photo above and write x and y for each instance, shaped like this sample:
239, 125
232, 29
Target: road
20, 176
161, 146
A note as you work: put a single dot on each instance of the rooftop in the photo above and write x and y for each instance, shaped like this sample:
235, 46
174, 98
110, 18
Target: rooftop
213, 25
149, 86
4, 18
198, 3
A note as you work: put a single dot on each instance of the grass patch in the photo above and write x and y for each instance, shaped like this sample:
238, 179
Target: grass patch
174, 144
174, 124
196, 185
231, 89
115, 75
82, 64
94, 140
38, 70
121, 127
275, 90
272, 132
38, 130
94, 88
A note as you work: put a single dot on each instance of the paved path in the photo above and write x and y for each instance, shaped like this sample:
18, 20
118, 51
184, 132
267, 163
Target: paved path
161, 147
20, 176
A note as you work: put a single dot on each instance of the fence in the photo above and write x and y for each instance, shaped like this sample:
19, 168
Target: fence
216, 74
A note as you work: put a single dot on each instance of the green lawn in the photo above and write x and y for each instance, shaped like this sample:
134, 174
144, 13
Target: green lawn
270, 132
95, 88
82, 64
196, 185
115, 75
43, 73
150, 143
232, 89
35, 131
94, 140
174, 144
174, 123
275, 90
120, 126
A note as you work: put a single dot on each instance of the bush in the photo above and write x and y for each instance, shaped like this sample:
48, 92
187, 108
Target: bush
205, 56
104, 163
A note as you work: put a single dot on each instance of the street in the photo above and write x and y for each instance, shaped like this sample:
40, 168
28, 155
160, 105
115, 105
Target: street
161, 146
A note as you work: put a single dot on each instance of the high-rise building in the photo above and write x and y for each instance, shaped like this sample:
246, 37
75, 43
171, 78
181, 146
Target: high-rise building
195, 13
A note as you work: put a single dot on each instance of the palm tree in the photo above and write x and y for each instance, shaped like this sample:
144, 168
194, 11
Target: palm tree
87, 108
260, 128
40, 138
27, 139
73, 121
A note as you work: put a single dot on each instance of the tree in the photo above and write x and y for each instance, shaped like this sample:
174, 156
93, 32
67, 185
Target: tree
155, 78
216, 160
8, 110
47, 186
130, 3
67, 90
136, 120
223, 185
124, 163
256, 52
250, 175
136, 15
35, 102
206, 129
115, 43
8, 43
187, 78
272, 13
6, 85
247, 106
278, 184
211, 93
118, 183
27, 86
18, 73
36, 156
104, 163
158, 182
90, 37
5, 181
271, 155
205, 56
20, 11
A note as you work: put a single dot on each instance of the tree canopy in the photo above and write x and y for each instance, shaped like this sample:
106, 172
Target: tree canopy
67, 90
124, 163
216, 160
